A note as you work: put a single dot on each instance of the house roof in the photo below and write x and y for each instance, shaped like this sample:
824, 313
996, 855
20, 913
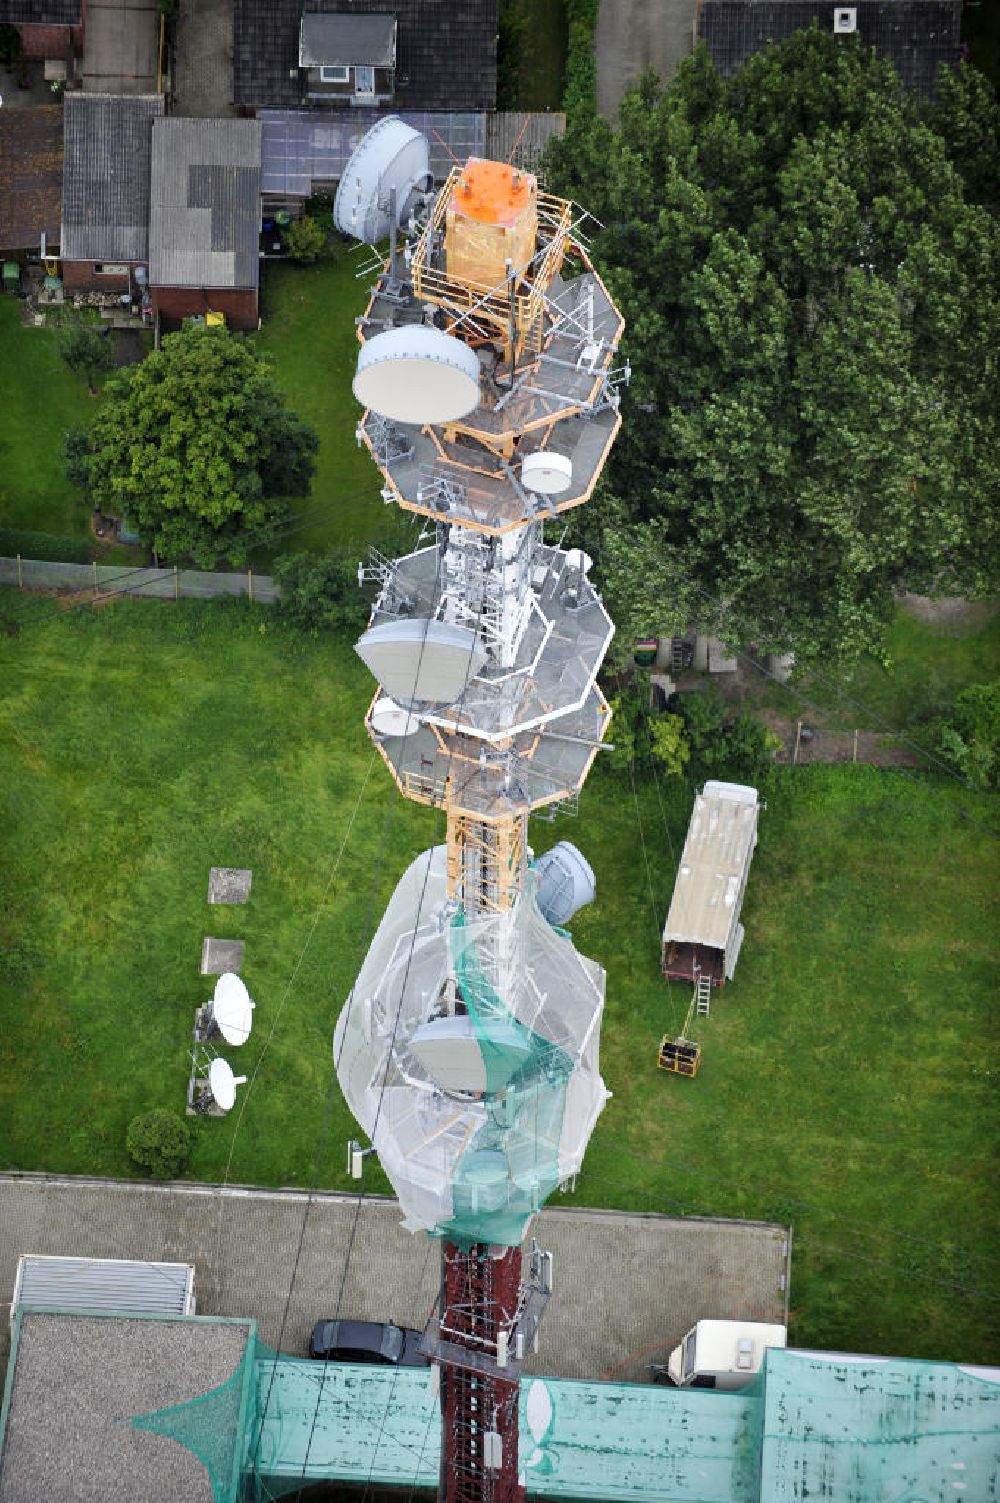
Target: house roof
445, 53
915, 35
204, 220
42, 12
329, 40
31, 169
105, 208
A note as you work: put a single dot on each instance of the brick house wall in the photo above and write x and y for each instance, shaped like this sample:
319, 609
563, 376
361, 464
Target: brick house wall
238, 304
81, 276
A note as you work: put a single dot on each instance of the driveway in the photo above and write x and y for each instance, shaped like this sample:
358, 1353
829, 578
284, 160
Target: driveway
633, 35
203, 59
626, 1287
122, 44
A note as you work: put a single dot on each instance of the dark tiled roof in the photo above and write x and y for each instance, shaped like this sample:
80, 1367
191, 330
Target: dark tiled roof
445, 51
329, 40
201, 165
915, 35
31, 157
42, 12
105, 210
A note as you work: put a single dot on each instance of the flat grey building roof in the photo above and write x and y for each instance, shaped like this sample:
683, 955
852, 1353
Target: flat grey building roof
205, 203
345, 40
107, 141
74, 1385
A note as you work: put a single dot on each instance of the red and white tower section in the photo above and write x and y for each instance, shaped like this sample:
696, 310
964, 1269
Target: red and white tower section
468, 1049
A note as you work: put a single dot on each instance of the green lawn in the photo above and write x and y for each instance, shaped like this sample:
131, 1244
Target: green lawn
309, 332
847, 1074
39, 400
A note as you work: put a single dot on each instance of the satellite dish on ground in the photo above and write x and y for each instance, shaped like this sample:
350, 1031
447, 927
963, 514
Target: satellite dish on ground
232, 1009
417, 374
419, 661
387, 718
546, 473
222, 1083
391, 158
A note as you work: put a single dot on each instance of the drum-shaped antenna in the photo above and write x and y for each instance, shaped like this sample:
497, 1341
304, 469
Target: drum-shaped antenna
546, 473
390, 156
416, 374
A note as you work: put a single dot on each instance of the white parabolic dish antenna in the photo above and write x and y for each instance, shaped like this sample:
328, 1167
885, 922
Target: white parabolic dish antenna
417, 374
223, 1084
390, 719
546, 473
232, 1009
392, 155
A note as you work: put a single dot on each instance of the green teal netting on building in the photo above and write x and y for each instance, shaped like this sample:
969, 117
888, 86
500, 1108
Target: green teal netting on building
811, 1427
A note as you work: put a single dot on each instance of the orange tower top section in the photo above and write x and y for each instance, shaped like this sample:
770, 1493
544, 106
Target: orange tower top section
492, 218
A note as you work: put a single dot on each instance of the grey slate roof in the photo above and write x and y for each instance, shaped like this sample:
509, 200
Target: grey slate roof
914, 35
42, 12
107, 142
205, 203
445, 51
325, 40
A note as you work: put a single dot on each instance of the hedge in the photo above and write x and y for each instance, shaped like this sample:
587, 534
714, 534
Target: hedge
47, 546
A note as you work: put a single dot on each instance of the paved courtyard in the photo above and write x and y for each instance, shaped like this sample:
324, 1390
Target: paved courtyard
203, 58
626, 1287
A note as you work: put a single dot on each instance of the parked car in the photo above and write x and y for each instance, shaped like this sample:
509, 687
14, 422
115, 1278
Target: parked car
366, 1341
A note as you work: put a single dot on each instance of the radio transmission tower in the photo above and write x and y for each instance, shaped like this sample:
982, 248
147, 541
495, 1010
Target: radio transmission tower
468, 1048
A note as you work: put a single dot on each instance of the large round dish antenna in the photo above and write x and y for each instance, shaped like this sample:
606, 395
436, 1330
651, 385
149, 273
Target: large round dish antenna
417, 374
223, 1083
391, 157
546, 473
232, 1009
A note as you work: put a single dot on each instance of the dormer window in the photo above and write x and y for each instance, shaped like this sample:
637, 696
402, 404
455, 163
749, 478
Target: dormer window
348, 58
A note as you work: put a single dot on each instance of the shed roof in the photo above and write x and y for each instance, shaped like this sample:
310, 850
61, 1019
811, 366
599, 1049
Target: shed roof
205, 203
717, 850
31, 169
105, 200
42, 12
329, 40
74, 1383
915, 35
445, 53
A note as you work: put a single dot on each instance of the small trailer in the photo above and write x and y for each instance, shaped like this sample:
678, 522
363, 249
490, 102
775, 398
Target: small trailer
124, 1286
703, 934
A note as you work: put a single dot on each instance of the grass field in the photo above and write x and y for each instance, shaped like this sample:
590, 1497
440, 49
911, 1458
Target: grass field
39, 400
847, 1074
308, 332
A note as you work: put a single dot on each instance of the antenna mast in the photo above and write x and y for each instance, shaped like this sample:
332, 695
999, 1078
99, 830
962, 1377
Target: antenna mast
468, 1048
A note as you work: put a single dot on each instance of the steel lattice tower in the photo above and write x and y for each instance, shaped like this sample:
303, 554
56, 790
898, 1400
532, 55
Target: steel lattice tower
468, 1047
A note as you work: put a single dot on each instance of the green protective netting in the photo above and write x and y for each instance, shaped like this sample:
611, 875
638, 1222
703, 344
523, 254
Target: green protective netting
215, 1426
511, 1166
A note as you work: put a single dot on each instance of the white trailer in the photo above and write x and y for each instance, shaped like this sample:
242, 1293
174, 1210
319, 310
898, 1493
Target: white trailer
124, 1286
703, 934
722, 1354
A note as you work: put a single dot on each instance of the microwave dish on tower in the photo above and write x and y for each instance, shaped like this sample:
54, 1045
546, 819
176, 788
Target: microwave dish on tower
387, 172
417, 374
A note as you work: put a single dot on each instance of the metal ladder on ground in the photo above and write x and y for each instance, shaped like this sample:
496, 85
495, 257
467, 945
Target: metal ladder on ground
702, 996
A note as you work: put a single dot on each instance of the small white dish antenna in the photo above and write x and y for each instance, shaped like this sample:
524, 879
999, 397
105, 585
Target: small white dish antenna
232, 1009
546, 473
387, 718
222, 1083
577, 559
389, 168
417, 374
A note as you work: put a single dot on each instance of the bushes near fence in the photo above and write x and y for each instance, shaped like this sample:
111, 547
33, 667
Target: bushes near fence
580, 93
45, 546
